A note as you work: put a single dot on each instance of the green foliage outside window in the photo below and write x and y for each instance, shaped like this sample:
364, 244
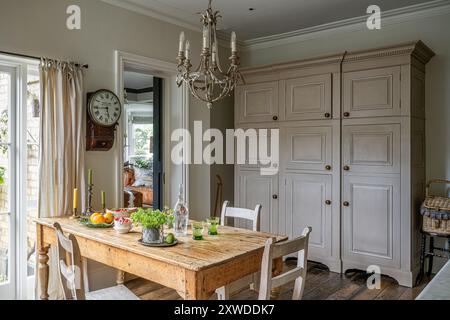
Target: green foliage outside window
142, 140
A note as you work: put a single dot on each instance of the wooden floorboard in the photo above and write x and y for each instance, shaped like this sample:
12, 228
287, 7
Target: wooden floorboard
320, 285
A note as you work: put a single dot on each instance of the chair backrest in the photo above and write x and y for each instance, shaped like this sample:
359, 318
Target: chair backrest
247, 214
278, 250
69, 265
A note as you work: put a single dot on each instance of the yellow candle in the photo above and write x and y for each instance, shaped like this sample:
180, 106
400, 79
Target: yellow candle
75, 198
103, 199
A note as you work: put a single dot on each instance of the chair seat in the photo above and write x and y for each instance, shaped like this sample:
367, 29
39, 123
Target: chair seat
119, 292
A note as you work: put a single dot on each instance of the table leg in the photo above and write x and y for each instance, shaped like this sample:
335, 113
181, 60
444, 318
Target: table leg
194, 289
431, 256
277, 270
43, 272
120, 277
422, 259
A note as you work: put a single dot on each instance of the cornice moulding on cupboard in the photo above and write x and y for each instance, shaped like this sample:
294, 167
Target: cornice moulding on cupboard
417, 49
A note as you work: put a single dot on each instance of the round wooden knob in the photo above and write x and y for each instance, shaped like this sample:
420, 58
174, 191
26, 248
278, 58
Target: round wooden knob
328, 202
346, 114
346, 204
328, 167
346, 168
275, 118
275, 197
327, 115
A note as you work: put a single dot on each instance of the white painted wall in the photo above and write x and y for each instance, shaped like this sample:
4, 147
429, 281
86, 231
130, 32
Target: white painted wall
433, 31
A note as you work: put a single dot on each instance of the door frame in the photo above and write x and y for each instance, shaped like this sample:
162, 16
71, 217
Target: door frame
13, 263
168, 72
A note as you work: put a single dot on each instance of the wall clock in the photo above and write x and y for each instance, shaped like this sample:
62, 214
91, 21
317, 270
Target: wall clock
103, 113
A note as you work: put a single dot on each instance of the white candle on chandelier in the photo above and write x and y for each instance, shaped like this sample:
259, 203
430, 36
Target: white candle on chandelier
181, 45
233, 42
205, 37
214, 52
188, 49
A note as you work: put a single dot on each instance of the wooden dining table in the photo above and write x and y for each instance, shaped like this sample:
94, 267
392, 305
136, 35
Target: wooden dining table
194, 268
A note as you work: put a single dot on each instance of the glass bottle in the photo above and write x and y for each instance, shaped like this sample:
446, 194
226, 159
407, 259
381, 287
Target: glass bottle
181, 215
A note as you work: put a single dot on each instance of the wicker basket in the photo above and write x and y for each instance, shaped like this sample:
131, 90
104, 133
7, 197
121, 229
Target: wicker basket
436, 212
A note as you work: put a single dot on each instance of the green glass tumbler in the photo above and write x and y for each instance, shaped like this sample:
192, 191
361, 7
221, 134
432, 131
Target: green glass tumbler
213, 223
197, 230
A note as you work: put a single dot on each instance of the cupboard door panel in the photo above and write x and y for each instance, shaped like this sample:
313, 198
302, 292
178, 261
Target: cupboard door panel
372, 93
255, 189
308, 98
308, 148
306, 205
372, 148
255, 149
257, 102
371, 221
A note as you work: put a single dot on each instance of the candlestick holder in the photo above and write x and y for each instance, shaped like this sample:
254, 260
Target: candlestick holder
90, 193
74, 215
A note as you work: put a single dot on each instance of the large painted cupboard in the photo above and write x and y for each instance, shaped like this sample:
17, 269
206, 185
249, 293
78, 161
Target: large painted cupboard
352, 155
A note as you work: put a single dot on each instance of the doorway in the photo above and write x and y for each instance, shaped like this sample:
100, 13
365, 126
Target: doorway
173, 114
142, 170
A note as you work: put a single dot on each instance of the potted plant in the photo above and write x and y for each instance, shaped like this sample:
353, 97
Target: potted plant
152, 222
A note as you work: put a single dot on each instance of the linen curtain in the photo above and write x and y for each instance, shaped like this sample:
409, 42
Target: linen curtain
62, 146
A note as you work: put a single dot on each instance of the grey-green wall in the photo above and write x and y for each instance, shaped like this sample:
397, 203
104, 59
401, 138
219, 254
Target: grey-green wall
38, 28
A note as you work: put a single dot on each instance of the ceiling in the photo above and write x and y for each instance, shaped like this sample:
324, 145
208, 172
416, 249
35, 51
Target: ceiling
137, 80
269, 17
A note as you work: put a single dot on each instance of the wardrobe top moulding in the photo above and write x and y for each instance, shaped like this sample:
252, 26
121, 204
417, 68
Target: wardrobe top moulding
415, 53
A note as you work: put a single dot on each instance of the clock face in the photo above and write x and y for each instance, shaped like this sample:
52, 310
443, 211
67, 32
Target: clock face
105, 108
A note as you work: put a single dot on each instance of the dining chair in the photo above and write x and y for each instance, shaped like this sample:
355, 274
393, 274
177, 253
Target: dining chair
273, 251
252, 217
72, 270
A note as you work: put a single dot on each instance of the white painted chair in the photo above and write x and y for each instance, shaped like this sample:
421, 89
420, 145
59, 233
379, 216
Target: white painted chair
252, 216
72, 270
278, 250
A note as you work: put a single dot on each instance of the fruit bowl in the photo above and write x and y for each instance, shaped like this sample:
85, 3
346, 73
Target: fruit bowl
89, 224
98, 220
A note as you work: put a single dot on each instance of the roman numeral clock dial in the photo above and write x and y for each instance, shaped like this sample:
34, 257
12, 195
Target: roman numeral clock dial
104, 111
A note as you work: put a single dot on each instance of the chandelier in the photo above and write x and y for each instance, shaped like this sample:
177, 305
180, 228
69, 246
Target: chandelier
208, 82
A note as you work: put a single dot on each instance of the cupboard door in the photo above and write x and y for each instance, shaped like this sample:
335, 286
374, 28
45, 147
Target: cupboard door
371, 148
254, 148
372, 93
257, 102
254, 189
371, 220
307, 148
308, 203
308, 98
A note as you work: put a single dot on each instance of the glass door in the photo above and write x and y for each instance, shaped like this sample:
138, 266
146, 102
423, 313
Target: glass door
8, 216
